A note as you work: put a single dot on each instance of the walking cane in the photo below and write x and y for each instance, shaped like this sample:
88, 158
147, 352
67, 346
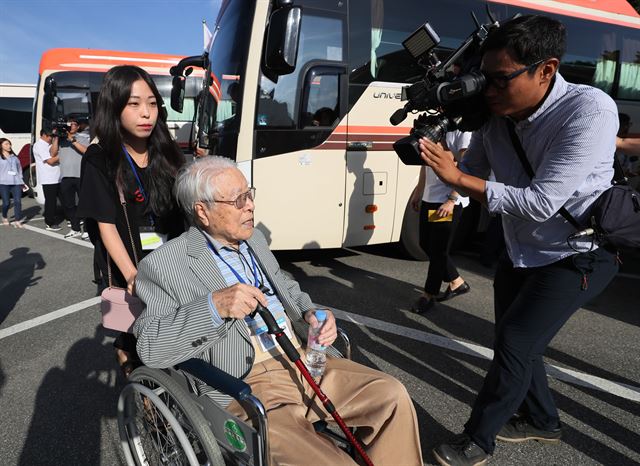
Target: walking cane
294, 357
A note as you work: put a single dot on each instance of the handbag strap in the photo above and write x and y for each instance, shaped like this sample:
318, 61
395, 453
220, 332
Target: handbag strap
527, 168
123, 202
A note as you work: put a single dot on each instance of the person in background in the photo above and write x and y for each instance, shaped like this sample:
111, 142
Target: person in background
626, 153
11, 183
48, 175
136, 158
69, 150
440, 210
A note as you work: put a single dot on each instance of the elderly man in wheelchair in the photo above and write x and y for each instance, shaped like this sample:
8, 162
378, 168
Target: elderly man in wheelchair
224, 389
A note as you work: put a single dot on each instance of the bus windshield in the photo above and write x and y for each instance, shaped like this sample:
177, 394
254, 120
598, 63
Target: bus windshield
76, 94
228, 56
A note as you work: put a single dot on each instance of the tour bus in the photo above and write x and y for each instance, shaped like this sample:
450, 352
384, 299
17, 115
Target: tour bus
303, 106
69, 84
16, 105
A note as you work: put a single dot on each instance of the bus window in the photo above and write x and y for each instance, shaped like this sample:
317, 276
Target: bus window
322, 102
15, 114
376, 51
321, 41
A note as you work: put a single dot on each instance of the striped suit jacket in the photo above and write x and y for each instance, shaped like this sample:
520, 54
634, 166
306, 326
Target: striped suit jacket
175, 282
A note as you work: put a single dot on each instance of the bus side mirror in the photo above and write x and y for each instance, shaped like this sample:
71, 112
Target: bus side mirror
49, 100
177, 93
283, 36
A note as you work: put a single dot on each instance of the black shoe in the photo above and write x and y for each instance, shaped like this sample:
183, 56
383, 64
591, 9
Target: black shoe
449, 293
460, 451
519, 429
423, 305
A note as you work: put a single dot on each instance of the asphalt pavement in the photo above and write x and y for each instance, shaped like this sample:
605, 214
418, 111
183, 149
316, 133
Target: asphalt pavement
59, 382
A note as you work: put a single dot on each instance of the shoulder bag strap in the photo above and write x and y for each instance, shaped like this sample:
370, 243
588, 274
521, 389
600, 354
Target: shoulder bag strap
527, 168
123, 202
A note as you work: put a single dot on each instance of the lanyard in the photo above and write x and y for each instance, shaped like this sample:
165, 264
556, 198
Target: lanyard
240, 279
135, 172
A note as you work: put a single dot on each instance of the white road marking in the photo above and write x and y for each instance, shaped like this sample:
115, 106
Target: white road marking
628, 392
53, 234
27, 324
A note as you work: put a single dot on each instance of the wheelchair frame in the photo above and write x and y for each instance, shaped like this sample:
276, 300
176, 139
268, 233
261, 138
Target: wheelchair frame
162, 420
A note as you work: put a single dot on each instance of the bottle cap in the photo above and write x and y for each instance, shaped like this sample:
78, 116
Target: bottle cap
321, 316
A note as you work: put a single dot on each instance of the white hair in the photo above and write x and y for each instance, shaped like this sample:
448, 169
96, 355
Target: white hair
196, 182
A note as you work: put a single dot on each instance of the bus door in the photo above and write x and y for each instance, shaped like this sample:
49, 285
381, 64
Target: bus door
299, 159
372, 167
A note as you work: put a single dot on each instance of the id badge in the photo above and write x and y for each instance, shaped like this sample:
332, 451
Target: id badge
432, 216
152, 240
267, 342
11, 173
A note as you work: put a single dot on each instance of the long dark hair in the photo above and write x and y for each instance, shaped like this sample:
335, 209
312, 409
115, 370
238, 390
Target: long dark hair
165, 156
2, 140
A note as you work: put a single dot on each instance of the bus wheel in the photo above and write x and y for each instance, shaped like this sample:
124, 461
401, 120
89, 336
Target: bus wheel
409, 236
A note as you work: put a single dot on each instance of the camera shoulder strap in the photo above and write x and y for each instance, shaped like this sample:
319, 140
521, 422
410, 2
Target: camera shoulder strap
527, 168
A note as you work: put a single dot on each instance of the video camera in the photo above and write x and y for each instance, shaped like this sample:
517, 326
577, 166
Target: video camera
60, 127
449, 104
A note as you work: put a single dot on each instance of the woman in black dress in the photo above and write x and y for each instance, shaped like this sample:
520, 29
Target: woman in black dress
134, 156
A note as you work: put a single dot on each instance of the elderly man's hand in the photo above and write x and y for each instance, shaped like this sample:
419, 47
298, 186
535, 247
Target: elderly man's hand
328, 332
238, 301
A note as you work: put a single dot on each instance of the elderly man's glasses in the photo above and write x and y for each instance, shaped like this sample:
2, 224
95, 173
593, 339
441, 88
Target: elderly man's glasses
241, 200
502, 82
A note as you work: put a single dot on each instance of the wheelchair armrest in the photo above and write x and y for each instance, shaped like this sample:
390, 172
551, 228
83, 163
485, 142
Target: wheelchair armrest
216, 378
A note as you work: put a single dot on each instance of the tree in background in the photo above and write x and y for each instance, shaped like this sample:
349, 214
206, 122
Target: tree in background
635, 4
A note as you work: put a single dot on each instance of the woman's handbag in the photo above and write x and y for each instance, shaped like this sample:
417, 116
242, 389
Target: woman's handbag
120, 308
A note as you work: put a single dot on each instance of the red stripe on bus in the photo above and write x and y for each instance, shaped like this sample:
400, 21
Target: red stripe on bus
567, 12
52, 59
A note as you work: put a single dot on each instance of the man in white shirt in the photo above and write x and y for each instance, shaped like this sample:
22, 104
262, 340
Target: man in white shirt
48, 173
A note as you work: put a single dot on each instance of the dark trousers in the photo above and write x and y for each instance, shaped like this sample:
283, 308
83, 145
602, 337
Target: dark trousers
436, 239
15, 190
51, 193
531, 306
69, 189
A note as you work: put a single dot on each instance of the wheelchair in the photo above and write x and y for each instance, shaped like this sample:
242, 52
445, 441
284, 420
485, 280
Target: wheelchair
163, 421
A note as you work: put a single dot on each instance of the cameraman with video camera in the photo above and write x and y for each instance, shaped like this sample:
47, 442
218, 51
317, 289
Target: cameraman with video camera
70, 146
568, 136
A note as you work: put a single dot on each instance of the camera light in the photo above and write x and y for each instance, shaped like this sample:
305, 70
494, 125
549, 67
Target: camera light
421, 42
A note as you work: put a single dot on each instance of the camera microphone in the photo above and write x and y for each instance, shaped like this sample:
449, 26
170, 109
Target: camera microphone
581, 233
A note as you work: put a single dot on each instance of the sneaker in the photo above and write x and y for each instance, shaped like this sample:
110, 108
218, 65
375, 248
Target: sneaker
85, 235
520, 429
68, 224
423, 305
17, 224
5, 221
460, 451
55, 227
73, 234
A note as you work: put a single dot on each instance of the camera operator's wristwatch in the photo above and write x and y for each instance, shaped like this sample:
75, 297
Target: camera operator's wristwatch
452, 198
73, 140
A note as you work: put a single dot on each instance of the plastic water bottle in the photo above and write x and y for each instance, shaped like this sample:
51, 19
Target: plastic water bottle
316, 356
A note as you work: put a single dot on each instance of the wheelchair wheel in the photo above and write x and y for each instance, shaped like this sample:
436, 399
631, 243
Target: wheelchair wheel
161, 425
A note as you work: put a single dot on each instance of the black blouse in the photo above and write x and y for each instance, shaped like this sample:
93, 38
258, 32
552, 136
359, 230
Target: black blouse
99, 202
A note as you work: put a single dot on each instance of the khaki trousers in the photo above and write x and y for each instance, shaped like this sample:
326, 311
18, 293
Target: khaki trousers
376, 404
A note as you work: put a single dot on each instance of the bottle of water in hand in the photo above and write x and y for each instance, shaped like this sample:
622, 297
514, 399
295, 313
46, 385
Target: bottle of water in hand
316, 357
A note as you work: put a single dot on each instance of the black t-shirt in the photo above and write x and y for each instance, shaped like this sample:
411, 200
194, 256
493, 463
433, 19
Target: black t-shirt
99, 201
